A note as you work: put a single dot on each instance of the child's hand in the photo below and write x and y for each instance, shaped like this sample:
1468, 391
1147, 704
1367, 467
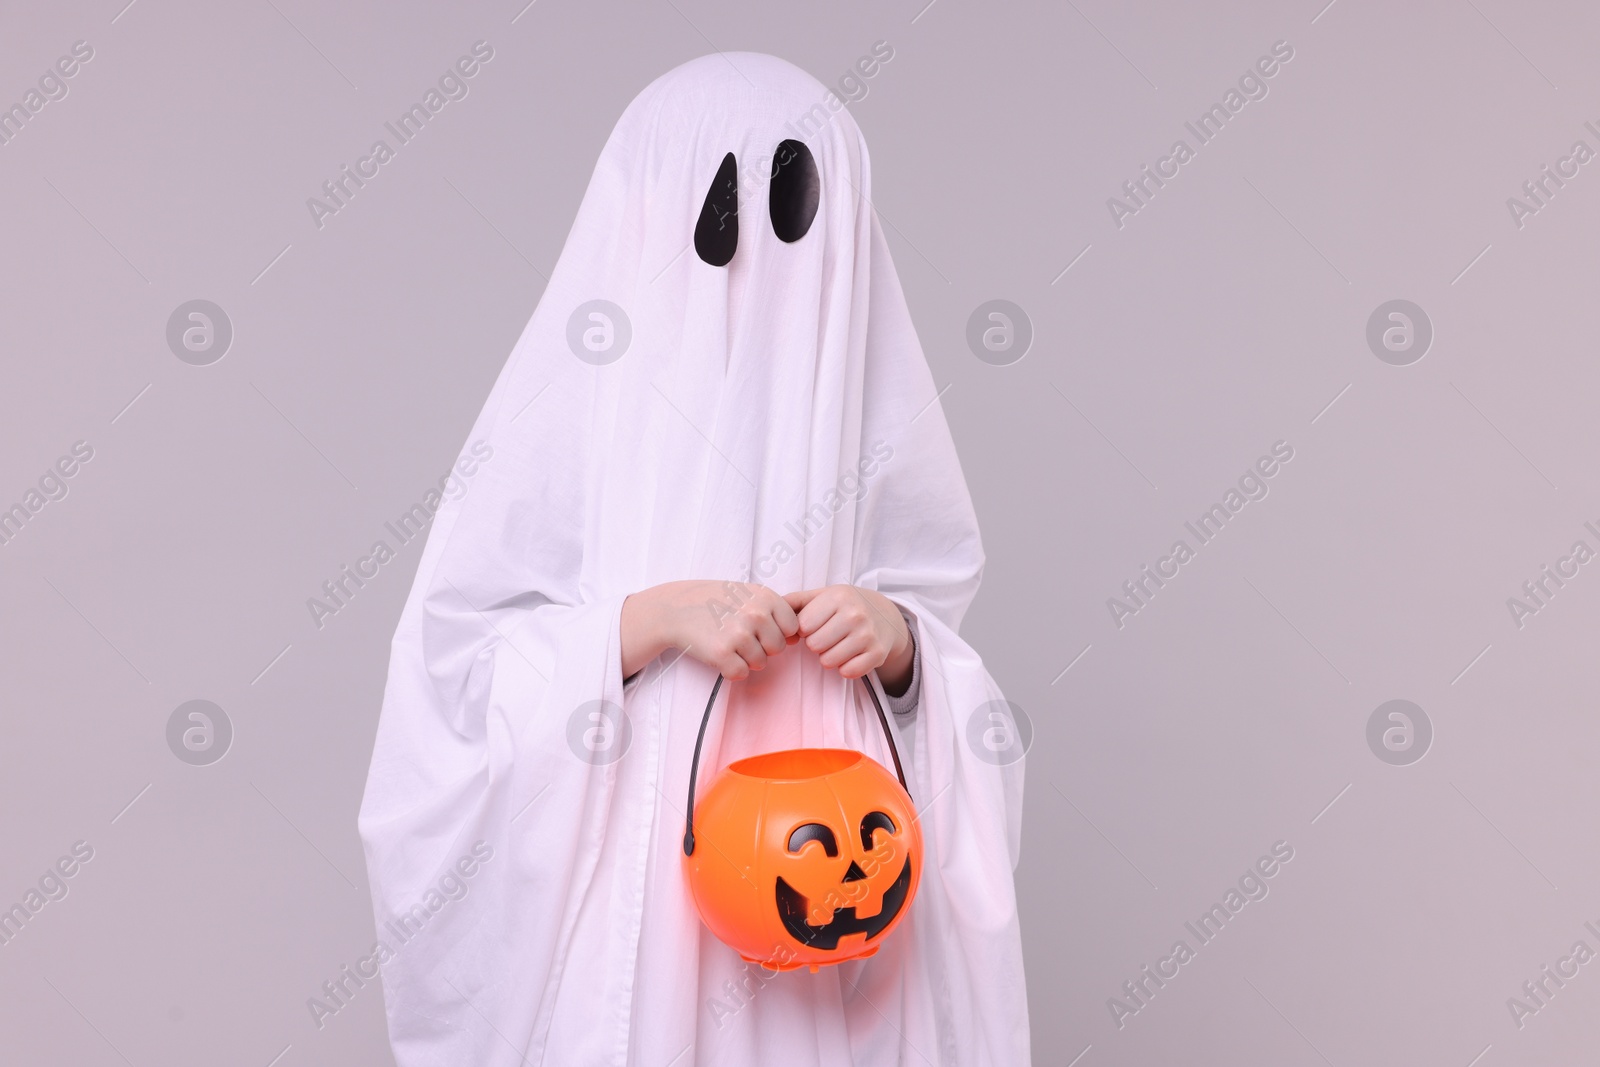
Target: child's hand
854, 631
728, 626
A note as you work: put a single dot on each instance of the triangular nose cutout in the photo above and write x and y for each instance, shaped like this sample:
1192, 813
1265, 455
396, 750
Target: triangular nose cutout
854, 874
794, 192
716, 235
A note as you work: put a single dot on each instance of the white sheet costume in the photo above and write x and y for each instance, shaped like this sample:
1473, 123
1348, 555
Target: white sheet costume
772, 419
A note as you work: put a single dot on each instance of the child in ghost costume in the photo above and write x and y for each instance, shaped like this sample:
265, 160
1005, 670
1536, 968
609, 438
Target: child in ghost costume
718, 430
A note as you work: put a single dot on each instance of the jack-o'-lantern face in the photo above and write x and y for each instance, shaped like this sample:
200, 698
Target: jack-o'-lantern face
805, 857
829, 901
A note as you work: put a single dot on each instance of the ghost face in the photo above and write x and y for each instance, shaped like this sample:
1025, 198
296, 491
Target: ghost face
793, 193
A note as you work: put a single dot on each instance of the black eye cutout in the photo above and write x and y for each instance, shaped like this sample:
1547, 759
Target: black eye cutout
794, 191
875, 820
814, 831
716, 235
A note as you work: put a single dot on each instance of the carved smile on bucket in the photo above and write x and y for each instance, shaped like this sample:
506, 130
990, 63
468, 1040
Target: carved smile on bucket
793, 908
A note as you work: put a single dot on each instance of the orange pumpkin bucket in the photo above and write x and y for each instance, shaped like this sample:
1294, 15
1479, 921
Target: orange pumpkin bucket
805, 857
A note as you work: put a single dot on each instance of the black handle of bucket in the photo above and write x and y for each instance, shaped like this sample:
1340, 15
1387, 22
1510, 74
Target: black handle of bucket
694, 768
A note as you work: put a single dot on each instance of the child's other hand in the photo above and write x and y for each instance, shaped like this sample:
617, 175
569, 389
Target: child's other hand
729, 626
855, 630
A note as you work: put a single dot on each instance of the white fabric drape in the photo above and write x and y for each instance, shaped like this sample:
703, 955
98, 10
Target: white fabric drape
749, 396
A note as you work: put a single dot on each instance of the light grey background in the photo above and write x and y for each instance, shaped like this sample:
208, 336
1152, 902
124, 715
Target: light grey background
1226, 315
